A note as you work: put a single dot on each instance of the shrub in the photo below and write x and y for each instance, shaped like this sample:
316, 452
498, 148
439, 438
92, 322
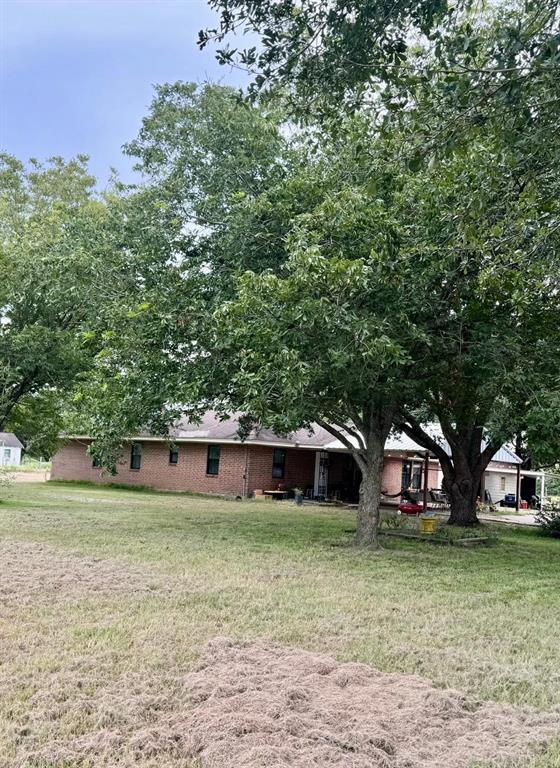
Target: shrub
6, 478
549, 521
393, 522
486, 509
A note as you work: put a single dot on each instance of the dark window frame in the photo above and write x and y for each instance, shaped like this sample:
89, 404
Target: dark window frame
412, 475
213, 461
279, 466
174, 455
135, 456
95, 462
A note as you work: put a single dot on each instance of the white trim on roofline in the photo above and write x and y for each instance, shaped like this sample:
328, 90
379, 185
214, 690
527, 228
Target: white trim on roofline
208, 440
263, 443
329, 447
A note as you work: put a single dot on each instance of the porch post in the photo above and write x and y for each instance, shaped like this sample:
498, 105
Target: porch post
426, 471
321, 474
518, 488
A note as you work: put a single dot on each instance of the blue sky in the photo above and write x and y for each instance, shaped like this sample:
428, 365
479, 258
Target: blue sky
76, 76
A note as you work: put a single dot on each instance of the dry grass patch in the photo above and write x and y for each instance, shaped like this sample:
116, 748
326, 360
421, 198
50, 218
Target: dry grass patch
109, 597
39, 574
253, 705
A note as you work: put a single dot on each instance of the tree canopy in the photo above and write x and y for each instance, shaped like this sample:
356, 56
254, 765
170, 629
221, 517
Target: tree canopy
52, 247
377, 295
395, 265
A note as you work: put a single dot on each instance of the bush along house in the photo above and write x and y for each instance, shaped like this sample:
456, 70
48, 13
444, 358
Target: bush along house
210, 458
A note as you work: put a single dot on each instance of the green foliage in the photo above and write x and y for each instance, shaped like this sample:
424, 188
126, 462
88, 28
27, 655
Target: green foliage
207, 148
553, 482
38, 421
6, 478
393, 522
326, 53
549, 521
53, 255
400, 266
543, 425
469, 62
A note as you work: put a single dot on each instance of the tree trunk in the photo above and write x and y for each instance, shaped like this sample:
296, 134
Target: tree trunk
463, 469
367, 532
462, 488
365, 434
463, 508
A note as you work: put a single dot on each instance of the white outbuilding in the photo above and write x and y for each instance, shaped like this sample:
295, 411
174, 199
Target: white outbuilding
10, 450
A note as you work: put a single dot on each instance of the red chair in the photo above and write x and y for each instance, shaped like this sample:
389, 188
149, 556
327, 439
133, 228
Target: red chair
410, 508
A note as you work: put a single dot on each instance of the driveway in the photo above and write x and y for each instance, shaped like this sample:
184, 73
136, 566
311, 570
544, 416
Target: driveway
30, 477
527, 518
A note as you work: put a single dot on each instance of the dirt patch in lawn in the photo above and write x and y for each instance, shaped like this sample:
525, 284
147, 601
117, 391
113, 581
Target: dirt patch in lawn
38, 574
255, 705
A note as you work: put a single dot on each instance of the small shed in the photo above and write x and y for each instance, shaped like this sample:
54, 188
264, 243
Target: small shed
10, 449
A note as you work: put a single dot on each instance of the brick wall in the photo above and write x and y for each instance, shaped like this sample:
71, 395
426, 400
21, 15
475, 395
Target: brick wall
243, 468
299, 469
189, 474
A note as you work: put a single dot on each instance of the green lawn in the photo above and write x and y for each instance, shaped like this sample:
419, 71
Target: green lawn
483, 620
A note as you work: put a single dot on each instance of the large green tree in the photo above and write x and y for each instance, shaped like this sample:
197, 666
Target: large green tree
319, 330
473, 94
379, 292
53, 247
328, 340
208, 160
494, 339
427, 294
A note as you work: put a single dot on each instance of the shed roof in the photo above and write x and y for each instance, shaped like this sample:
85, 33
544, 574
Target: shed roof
9, 440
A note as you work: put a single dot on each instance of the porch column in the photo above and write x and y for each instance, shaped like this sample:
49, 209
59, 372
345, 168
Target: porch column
321, 474
426, 475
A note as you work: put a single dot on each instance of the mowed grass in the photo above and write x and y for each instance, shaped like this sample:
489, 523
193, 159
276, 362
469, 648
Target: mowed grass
484, 620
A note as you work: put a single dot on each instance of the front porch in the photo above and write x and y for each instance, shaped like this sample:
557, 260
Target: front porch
338, 477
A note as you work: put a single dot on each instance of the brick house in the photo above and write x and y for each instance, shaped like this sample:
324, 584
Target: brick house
210, 458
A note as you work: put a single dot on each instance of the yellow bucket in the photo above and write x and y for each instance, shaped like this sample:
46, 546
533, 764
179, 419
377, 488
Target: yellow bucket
427, 524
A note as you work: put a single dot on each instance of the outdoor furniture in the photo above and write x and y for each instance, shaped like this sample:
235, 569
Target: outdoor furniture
410, 508
278, 495
438, 497
509, 500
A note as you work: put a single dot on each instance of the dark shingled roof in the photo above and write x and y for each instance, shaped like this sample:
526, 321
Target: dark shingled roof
212, 428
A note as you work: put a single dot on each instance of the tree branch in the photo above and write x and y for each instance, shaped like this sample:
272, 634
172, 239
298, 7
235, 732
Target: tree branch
415, 431
336, 433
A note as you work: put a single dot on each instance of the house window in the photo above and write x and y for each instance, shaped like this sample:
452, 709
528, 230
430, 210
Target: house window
174, 455
411, 475
96, 462
213, 460
502, 483
278, 462
7, 455
135, 455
